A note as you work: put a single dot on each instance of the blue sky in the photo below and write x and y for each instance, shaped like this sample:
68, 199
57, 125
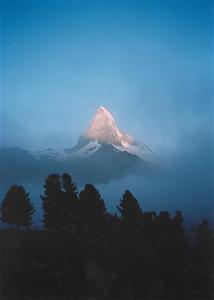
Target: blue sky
149, 62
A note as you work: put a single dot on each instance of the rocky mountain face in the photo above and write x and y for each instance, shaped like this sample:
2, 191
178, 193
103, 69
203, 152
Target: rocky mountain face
104, 129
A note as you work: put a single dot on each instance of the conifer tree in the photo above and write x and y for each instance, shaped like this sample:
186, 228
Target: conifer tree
203, 233
70, 189
129, 208
70, 201
16, 208
203, 262
130, 214
178, 225
92, 208
52, 203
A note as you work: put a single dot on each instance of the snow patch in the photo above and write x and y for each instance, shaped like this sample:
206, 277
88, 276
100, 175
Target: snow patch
85, 151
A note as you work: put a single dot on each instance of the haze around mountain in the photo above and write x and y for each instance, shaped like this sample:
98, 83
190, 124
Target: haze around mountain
149, 64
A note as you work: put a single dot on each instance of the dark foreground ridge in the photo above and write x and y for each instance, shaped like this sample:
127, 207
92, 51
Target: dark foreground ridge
84, 252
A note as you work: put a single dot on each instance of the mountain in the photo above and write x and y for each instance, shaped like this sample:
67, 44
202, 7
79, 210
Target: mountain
104, 133
103, 152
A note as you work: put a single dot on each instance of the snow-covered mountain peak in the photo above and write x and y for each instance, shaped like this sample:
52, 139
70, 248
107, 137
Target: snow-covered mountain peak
104, 129
101, 137
101, 120
104, 112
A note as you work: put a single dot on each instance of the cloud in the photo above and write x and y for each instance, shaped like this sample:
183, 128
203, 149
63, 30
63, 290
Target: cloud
185, 182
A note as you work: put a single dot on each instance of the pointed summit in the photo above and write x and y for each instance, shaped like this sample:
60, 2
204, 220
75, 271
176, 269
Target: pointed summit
104, 129
104, 144
104, 110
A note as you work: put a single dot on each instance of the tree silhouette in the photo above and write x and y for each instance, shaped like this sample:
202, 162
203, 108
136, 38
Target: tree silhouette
129, 209
52, 203
132, 255
92, 208
203, 261
16, 208
177, 254
179, 231
70, 202
203, 233
70, 188
164, 224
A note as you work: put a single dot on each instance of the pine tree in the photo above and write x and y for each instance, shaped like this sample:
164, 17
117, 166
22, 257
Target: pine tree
52, 203
16, 208
203, 262
92, 209
129, 208
203, 233
130, 214
178, 226
164, 228
70, 201
178, 251
70, 188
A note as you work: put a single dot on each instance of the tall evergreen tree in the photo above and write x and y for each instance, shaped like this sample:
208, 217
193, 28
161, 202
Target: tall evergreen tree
178, 227
129, 208
203, 261
52, 203
70, 201
203, 233
131, 216
70, 188
16, 208
92, 208
178, 251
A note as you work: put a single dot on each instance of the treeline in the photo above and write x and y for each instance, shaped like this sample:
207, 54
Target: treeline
84, 252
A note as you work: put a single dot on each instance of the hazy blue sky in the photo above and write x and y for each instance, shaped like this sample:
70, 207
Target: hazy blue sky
149, 62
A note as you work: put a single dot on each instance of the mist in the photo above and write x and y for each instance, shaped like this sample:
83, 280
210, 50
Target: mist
150, 63
184, 182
